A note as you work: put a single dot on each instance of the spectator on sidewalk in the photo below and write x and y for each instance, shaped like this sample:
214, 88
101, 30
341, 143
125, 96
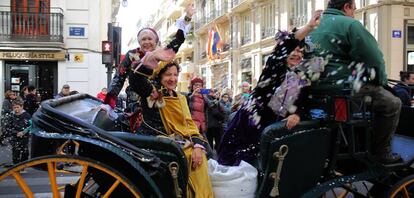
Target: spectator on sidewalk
403, 89
17, 128
31, 104
63, 92
101, 95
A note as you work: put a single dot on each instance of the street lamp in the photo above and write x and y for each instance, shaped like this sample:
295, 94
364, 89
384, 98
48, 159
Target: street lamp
125, 3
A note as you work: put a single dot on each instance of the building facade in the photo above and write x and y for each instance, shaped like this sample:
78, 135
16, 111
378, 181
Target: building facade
49, 43
247, 30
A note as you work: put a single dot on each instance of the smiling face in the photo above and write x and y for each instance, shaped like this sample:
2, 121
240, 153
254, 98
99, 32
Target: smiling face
147, 40
169, 78
294, 57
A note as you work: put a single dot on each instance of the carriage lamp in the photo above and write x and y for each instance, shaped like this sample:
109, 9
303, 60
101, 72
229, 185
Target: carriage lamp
341, 114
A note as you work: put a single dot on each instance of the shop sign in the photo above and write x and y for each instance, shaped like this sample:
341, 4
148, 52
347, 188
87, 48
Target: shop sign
32, 55
78, 58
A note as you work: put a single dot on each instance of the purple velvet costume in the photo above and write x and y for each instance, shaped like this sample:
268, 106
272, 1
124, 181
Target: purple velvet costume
241, 139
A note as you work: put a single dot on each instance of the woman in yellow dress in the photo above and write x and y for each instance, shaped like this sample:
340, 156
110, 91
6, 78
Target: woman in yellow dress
166, 112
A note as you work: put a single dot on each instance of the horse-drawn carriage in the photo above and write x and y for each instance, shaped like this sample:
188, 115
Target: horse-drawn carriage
86, 155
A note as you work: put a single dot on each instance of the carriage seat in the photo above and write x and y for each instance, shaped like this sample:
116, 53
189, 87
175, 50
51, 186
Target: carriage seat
166, 149
309, 145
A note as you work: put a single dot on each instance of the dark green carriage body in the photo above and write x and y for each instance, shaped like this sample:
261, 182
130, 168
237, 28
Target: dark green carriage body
144, 159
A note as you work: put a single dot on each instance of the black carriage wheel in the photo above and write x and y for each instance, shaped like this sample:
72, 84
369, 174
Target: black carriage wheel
82, 170
403, 188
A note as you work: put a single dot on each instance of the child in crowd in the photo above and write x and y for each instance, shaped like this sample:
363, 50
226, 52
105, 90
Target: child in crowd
18, 126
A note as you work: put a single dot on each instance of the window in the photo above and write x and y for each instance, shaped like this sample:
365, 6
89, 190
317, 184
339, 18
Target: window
299, 12
246, 29
268, 20
410, 35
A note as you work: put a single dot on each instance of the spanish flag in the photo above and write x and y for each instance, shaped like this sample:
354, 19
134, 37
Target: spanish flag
213, 43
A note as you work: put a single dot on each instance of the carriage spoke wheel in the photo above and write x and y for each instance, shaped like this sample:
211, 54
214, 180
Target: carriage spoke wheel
403, 188
72, 176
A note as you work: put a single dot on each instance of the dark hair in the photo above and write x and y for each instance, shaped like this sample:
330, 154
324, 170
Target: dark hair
31, 88
405, 75
17, 102
338, 4
165, 68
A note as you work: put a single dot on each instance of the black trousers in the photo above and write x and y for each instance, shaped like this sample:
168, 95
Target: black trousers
214, 136
20, 149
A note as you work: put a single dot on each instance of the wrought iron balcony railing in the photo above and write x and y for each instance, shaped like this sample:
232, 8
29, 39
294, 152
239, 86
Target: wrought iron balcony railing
31, 26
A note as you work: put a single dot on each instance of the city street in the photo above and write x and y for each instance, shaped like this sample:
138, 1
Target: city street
38, 181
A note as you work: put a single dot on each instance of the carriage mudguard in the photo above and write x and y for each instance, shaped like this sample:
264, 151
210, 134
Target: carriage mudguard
46, 143
309, 146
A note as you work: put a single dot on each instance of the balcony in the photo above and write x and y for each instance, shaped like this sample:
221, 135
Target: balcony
30, 26
203, 55
246, 39
205, 18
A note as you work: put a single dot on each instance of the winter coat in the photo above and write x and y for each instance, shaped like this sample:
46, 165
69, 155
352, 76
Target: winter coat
17, 123
198, 108
59, 95
403, 91
347, 41
30, 104
6, 108
215, 114
101, 96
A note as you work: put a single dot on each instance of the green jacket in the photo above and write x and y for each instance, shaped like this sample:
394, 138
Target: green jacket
347, 41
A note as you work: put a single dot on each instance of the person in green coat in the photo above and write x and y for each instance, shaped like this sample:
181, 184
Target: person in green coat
355, 59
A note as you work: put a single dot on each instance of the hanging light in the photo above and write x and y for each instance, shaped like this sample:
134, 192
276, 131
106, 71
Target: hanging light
124, 3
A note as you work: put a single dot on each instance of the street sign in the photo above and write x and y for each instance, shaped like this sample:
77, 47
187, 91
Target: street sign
77, 31
396, 34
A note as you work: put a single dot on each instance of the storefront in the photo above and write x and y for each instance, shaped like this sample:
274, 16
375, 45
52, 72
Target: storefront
38, 69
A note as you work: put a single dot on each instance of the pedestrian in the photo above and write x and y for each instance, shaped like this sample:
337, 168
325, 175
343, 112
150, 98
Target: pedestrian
226, 104
403, 89
6, 110
24, 92
18, 127
198, 104
215, 119
65, 91
31, 104
101, 95
9, 97
354, 52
